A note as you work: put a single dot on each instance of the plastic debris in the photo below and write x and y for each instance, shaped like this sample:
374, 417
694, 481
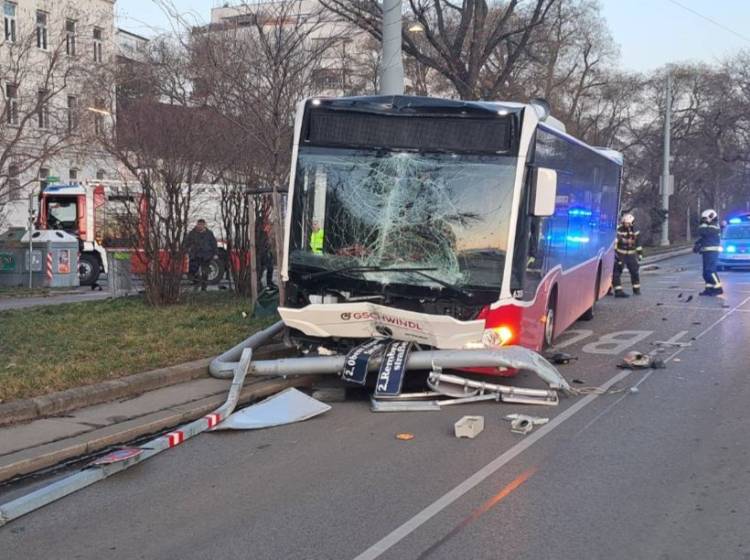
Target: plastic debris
561, 358
637, 360
523, 423
405, 436
469, 427
329, 394
118, 455
282, 408
634, 390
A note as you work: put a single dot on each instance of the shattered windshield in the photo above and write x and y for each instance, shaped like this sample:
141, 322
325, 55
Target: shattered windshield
444, 213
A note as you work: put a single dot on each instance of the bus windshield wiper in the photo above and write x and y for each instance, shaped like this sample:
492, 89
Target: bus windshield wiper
421, 271
443, 283
359, 268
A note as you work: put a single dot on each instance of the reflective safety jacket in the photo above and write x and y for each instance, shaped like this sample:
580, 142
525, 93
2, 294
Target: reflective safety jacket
628, 241
316, 241
709, 238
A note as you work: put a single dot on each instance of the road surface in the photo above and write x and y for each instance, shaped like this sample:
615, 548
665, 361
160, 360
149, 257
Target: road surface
660, 473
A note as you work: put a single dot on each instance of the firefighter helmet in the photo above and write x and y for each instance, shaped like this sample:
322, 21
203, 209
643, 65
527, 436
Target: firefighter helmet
627, 219
709, 215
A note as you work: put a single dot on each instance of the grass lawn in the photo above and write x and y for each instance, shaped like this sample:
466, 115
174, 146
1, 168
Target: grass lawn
47, 349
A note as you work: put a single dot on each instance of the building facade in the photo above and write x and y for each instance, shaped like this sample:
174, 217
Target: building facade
349, 56
50, 53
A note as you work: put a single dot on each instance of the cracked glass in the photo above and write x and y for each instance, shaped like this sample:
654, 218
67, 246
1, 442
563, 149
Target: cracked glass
446, 214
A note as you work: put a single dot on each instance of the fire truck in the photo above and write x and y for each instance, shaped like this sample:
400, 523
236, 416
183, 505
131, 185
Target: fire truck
90, 211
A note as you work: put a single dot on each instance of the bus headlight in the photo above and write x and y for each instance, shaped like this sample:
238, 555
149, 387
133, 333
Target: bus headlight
497, 336
731, 249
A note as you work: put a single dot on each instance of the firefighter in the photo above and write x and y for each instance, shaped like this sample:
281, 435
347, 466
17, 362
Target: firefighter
628, 253
709, 246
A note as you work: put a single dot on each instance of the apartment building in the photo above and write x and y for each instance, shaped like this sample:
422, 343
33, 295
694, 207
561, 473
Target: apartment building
351, 56
48, 53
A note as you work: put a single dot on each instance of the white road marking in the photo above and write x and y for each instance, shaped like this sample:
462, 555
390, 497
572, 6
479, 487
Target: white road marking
578, 335
411, 525
616, 342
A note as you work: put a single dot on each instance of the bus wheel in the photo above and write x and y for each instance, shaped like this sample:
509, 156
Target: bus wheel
549, 323
88, 270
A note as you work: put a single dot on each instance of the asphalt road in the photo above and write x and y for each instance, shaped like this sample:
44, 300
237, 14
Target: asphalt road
660, 473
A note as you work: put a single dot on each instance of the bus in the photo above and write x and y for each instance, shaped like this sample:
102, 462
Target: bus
450, 224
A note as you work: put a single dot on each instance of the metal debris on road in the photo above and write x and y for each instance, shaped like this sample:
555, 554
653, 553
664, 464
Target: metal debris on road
469, 427
523, 423
286, 407
457, 387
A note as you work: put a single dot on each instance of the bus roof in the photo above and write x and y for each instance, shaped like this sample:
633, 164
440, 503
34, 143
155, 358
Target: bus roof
610, 154
387, 103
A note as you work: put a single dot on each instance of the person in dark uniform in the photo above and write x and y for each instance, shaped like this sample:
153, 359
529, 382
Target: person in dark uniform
202, 248
709, 246
628, 253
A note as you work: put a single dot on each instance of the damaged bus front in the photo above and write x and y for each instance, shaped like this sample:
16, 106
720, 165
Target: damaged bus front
402, 218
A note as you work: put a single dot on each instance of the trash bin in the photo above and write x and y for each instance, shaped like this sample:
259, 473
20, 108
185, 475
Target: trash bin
54, 259
119, 274
13, 254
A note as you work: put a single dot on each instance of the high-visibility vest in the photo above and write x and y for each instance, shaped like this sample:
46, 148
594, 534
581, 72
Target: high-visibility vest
316, 241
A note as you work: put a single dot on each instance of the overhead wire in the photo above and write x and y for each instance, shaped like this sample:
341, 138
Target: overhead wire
710, 20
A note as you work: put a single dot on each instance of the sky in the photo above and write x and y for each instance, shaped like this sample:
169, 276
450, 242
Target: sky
650, 33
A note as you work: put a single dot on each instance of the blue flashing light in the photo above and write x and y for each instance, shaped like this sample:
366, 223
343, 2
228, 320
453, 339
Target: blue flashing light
579, 212
577, 239
731, 249
735, 221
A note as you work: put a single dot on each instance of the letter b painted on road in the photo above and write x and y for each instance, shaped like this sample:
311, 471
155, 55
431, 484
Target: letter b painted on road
616, 342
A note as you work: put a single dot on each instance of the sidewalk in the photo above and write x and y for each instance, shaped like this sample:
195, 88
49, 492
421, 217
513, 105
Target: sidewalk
46, 442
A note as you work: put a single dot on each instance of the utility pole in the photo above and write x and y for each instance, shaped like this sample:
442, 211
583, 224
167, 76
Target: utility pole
30, 230
665, 183
391, 64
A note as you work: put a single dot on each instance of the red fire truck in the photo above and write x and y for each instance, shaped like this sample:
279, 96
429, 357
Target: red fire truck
91, 212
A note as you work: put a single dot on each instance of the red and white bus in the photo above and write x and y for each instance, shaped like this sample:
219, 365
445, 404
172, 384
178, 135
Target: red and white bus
452, 224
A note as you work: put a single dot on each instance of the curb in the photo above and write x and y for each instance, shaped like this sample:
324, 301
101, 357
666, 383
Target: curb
48, 455
79, 397
667, 255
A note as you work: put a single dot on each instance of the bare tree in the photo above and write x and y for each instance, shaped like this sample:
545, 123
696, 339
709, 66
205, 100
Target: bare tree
170, 144
475, 44
255, 70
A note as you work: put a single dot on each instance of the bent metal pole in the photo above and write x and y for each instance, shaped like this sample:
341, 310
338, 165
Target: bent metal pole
90, 475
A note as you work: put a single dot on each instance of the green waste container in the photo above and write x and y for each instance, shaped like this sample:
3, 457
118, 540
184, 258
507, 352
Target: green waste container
53, 262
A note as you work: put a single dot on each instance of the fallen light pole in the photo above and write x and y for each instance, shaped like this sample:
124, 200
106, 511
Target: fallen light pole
94, 473
514, 357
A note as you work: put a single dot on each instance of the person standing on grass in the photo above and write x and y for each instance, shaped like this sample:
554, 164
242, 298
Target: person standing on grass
202, 249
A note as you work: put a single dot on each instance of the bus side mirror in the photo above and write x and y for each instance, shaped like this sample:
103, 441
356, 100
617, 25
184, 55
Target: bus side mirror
545, 192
